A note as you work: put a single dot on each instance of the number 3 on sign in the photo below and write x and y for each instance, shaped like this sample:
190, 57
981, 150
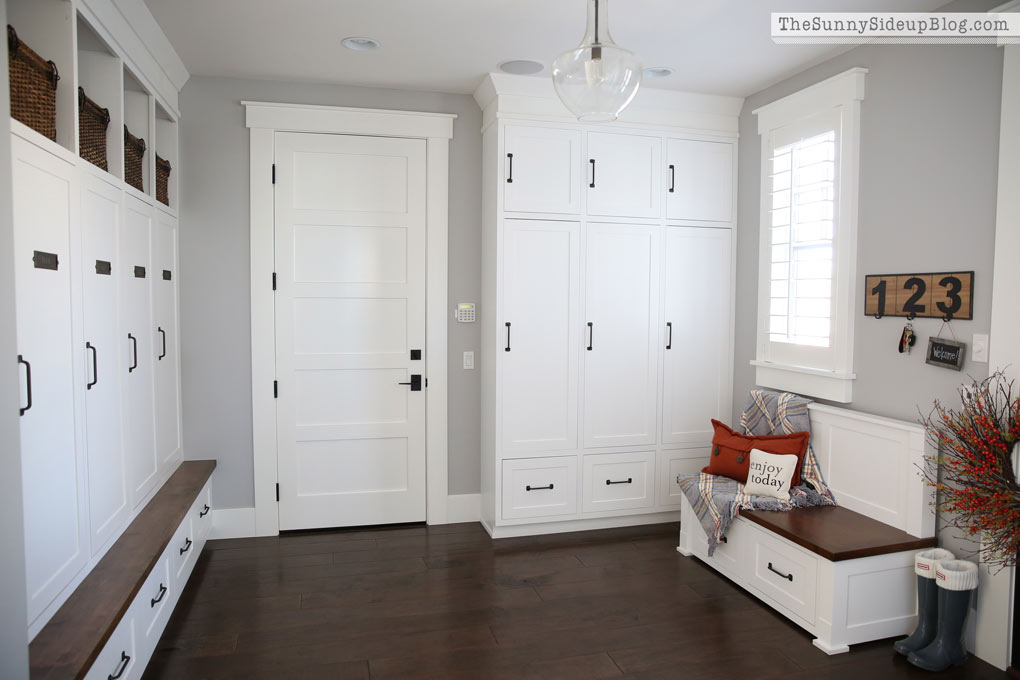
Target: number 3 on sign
942, 294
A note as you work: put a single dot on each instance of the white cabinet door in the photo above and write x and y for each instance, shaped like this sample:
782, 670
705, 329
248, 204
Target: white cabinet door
542, 170
136, 356
539, 353
697, 359
165, 347
52, 469
622, 335
700, 181
109, 504
624, 175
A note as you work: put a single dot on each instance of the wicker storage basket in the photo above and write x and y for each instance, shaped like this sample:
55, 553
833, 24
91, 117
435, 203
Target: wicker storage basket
163, 180
92, 123
134, 152
33, 87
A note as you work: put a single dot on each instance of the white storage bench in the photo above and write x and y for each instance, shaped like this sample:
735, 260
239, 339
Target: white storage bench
845, 573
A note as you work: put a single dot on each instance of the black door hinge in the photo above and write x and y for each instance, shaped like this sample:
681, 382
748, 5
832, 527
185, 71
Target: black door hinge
274, 173
274, 280
276, 390
277, 493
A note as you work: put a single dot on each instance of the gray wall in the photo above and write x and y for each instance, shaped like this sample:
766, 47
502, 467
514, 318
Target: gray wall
929, 159
13, 633
214, 254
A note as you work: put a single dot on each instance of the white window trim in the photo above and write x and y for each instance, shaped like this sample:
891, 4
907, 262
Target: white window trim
263, 120
844, 91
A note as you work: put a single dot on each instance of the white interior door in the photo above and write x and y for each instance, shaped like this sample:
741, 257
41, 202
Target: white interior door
350, 329
109, 503
542, 170
136, 357
539, 357
697, 360
624, 175
621, 342
164, 300
56, 539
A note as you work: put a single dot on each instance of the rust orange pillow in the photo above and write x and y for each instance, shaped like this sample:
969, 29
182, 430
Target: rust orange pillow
731, 451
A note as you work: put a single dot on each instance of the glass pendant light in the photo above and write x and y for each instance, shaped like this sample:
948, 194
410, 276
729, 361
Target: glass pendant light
597, 79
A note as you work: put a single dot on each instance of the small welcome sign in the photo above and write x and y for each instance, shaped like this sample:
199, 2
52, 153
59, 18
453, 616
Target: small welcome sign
945, 353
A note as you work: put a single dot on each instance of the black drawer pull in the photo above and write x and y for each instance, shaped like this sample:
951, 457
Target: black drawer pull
28, 385
591, 334
205, 511
187, 546
134, 350
507, 349
672, 179
538, 488
159, 598
669, 340
629, 480
163, 333
592, 184
788, 577
124, 661
510, 177
95, 366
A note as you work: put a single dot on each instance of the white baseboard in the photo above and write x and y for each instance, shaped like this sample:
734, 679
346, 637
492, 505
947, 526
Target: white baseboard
463, 508
233, 523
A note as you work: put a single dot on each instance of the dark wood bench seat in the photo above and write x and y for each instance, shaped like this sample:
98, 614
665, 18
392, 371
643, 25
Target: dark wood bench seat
71, 640
837, 533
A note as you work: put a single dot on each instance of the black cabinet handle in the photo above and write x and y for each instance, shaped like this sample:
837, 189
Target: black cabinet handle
205, 511
672, 179
163, 333
124, 661
95, 366
669, 339
510, 177
134, 342
28, 384
629, 480
592, 161
788, 577
187, 546
159, 598
507, 349
538, 488
591, 335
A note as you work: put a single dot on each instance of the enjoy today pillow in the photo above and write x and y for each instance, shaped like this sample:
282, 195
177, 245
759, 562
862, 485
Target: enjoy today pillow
731, 451
770, 475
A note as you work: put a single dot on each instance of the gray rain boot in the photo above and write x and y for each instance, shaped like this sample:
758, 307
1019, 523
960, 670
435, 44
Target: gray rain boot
956, 580
927, 601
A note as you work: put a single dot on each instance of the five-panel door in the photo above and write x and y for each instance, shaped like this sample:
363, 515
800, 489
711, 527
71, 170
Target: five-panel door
539, 357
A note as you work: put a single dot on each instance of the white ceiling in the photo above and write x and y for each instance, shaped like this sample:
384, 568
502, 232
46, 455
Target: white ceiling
716, 46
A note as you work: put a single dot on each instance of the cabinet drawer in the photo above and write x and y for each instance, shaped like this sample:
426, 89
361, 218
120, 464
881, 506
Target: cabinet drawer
673, 463
118, 659
544, 487
783, 574
618, 481
201, 515
182, 551
152, 606
731, 552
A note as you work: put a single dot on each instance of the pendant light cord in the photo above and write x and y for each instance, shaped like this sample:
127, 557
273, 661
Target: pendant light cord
596, 22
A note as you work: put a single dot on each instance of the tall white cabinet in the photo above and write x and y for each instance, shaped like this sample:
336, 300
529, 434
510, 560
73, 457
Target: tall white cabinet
607, 305
95, 280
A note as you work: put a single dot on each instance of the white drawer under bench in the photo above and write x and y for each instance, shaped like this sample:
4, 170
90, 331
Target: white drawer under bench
110, 625
844, 577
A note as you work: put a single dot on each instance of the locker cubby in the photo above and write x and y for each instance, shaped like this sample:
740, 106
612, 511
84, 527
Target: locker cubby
47, 26
165, 138
100, 74
138, 113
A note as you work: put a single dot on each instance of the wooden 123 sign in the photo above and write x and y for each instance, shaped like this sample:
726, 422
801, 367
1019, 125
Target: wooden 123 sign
948, 295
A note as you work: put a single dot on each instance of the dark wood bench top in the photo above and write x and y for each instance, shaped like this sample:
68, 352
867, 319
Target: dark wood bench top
69, 643
837, 533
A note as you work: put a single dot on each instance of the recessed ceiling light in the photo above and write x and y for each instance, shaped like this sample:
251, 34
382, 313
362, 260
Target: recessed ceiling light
658, 72
521, 67
360, 44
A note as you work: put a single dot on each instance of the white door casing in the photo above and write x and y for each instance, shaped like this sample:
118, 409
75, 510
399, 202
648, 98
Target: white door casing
541, 319
350, 315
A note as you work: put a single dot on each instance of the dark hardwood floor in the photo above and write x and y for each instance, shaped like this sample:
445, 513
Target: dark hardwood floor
448, 602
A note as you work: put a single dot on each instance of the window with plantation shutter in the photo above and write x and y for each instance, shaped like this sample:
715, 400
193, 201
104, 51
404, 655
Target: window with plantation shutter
808, 239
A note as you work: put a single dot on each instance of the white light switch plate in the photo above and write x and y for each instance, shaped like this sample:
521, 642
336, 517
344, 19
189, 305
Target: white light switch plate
979, 348
469, 360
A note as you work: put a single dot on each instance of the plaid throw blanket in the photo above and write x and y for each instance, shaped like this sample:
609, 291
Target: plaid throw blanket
717, 500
